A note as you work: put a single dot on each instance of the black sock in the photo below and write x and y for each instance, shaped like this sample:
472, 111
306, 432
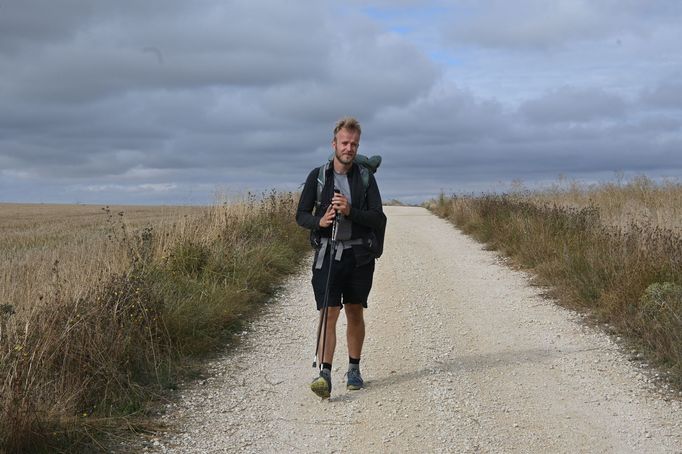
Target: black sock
327, 366
352, 360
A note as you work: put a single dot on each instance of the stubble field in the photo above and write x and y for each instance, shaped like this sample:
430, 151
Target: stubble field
68, 248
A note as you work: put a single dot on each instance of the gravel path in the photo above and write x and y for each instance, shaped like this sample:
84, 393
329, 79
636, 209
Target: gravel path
461, 355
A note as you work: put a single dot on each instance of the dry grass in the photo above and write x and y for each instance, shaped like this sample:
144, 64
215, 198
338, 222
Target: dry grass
639, 201
72, 246
102, 308
614, 251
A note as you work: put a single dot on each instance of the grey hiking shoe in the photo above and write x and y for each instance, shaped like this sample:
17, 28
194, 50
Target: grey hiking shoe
354, 380
322, 385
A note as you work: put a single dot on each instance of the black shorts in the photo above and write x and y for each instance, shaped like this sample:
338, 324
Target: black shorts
348, 284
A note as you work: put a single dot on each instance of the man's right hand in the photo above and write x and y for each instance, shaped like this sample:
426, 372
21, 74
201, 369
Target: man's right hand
328, 218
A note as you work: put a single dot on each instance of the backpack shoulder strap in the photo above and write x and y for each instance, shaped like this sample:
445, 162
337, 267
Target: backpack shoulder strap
364, 173
321, 177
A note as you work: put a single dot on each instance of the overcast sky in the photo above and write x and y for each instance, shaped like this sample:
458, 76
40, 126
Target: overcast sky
173, 101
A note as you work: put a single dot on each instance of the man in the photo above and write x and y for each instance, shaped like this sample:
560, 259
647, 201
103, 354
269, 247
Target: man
360, 214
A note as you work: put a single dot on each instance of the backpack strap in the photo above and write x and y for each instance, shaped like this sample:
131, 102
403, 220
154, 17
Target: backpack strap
321, 178
364, 173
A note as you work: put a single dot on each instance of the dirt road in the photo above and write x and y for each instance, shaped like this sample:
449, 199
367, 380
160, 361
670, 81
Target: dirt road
462, 355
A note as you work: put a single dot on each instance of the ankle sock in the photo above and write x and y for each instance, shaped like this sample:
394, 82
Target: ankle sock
327, 366
353, 363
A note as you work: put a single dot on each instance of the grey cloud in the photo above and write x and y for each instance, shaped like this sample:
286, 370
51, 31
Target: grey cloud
574, 105
366, 69
446, 116
96, 105
526, 24
22, 24
73, 159
667, 94
88, 74
164, 101
451, 139
537, 24
222, 45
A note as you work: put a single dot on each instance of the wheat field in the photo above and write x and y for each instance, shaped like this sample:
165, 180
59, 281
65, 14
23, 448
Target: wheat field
67, 248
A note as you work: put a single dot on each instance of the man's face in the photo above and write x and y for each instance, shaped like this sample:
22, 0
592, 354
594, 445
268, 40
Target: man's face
346, 145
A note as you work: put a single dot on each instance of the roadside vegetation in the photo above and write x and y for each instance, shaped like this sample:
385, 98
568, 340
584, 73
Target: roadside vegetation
613, 251
104, 309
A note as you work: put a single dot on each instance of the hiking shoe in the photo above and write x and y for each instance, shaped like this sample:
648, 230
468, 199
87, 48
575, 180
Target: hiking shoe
322, 385
354, 380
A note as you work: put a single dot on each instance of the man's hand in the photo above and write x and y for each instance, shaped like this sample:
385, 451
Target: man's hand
340, 202
328, 218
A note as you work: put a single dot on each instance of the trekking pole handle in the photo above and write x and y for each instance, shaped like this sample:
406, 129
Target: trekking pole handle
337, 215
336, 210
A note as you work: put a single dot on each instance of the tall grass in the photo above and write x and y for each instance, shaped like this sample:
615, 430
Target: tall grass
639, 201
628, 274
84, 357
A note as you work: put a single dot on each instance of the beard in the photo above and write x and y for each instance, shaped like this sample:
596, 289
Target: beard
343, 158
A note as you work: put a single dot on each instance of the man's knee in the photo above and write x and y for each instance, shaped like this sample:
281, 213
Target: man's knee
354, 313
333, 313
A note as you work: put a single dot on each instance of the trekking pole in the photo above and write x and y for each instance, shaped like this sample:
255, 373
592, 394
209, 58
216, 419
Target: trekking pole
322, 324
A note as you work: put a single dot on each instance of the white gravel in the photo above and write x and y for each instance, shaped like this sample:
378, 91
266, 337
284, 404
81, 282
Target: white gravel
461, 355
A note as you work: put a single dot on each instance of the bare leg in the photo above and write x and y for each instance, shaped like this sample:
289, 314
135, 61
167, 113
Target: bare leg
330, 338
355, 331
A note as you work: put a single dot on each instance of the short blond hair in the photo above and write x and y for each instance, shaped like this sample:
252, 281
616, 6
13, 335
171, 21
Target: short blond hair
349, 123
